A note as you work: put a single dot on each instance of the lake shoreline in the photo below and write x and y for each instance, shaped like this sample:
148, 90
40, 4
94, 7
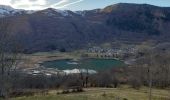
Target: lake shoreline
34, 62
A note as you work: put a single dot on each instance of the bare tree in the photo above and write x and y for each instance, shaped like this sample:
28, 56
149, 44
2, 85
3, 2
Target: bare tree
152, 69
8, 57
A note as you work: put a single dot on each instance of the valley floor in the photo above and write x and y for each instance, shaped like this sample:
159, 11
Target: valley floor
122, 93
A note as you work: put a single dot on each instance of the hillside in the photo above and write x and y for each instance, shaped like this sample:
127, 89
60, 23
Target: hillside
52, 29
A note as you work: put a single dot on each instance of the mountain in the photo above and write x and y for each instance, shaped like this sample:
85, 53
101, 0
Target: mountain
6, 11
52, 29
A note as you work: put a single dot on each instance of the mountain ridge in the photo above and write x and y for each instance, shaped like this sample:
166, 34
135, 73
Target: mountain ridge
52, 29
6, 7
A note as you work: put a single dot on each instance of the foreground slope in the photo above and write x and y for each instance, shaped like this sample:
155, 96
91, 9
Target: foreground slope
123, 93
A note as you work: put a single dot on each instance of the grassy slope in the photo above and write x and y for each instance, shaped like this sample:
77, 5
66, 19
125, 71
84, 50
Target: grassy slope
111, 94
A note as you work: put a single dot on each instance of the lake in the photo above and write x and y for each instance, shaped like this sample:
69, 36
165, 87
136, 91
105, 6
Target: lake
92, 64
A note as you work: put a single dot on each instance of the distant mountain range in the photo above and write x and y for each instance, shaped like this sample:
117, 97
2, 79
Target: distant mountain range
53, 29
6, 11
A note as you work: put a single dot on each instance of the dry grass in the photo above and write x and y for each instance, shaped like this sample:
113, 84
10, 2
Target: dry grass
123, 93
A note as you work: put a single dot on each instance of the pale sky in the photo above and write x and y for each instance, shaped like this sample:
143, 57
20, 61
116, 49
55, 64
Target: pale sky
75, 4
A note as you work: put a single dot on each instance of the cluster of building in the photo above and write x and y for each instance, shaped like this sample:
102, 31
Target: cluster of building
111, 51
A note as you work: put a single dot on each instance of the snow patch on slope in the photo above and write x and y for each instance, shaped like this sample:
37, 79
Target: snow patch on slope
63, 12
81, 13
53, 12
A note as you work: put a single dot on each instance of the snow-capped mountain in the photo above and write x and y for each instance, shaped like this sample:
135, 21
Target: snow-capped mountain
9, 11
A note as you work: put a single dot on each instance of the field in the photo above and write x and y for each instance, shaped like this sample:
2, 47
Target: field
122, 93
